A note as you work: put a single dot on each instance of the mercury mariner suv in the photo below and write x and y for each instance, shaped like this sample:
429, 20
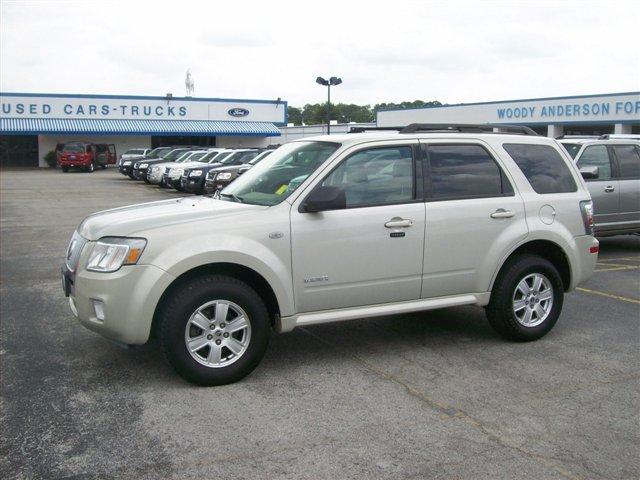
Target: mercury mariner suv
340, 227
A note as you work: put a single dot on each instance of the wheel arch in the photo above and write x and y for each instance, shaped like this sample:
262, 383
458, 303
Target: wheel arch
546, 249
241, 272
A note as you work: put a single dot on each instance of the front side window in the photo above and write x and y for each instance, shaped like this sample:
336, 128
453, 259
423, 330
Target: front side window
543, 166
628, 157
596, 156
280, 174
463, 171
376, 176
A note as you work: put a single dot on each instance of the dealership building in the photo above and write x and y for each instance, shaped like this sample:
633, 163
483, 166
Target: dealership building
32, 124
617, 113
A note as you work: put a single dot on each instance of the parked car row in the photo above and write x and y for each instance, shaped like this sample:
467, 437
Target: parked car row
191, 169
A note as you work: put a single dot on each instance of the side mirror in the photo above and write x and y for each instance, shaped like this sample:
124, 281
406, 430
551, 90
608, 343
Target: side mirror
325, 198
590, 172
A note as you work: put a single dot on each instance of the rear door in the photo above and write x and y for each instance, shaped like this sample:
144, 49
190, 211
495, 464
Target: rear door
627, 158
604, 190
473, 216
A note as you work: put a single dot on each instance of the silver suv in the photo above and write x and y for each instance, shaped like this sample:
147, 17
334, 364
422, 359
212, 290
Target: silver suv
340, 227
612, 171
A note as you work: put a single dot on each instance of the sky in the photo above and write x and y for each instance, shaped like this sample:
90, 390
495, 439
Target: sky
388, 51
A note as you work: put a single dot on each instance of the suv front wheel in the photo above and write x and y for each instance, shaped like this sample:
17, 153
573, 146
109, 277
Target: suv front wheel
214, 330
526, 299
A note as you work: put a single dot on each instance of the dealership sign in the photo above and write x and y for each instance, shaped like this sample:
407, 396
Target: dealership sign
238, 112
608, 108
106, 107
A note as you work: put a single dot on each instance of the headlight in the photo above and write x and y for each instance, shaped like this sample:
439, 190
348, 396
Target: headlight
143, 165
126, 163
195, 173
224, 176
110, 253
155, 169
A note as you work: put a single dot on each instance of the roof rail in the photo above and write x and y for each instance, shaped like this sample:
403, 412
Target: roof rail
619, 136
467, 128
373, 129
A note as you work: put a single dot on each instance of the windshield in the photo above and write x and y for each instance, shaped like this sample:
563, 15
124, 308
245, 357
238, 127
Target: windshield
208, 156
259, 157
174, 154
134, 152
197, 156
572, 148
73, 148
279, 175
221, 157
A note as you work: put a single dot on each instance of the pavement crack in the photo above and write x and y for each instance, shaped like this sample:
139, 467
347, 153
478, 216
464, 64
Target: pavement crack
453, 412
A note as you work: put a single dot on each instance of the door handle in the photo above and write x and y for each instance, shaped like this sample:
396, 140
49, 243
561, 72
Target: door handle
502, 213
397, 222
609, 188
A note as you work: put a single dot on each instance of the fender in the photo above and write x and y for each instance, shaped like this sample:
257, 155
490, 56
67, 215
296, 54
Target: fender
274, 267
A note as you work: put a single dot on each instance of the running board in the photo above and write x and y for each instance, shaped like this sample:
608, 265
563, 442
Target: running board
286, 324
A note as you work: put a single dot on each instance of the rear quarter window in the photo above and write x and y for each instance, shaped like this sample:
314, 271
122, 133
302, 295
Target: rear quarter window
543, 166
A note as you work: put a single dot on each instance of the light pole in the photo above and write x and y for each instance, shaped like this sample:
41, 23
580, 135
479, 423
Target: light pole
332, 81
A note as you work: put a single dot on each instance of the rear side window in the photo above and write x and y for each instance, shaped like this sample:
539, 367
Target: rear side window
628, 160
464, 171
596, 156
543, 166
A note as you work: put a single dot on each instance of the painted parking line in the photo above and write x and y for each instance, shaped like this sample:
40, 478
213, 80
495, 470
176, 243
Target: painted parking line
612, 267
609, 295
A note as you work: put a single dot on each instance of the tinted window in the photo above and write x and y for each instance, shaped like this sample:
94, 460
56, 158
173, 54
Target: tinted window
543, 166
628, 160
596, 156
377, 176
572, 148
462, 171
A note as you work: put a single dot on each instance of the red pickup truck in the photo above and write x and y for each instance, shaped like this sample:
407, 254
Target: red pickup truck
84, 155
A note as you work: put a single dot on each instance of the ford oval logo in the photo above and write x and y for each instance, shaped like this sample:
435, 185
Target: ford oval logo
238, 112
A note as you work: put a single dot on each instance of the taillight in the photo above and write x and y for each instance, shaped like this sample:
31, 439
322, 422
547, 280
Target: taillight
586, 208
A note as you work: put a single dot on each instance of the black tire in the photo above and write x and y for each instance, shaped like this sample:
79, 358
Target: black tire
65, 169
91, 167
500, 311
104, 167
184, 301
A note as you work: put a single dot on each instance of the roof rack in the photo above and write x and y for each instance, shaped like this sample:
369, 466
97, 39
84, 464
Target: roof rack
467, 128
619, 136
373, 129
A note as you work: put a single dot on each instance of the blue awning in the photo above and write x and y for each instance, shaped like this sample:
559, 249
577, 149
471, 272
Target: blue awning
94, 126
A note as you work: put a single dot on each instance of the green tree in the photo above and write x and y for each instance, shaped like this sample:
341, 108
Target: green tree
294, 115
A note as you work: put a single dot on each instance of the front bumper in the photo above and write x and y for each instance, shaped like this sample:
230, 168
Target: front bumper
125, 169
211, 186
126, 300
154, 178
173, 182
192, 184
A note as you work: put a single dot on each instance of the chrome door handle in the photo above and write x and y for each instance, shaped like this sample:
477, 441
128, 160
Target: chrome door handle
502, 213
397, 222
609, 189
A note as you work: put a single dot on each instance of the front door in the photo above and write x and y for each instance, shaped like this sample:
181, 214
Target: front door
371, 251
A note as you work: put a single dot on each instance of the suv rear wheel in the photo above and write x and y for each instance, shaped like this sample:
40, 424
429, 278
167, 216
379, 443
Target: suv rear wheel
91, 167
214, 330
526, 299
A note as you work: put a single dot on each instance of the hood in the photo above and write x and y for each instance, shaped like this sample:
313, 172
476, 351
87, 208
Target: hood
129, 220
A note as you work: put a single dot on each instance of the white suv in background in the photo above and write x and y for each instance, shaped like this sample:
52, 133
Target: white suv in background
340, 227
611, 169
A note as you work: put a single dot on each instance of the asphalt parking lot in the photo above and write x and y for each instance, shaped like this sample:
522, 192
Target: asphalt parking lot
432, 395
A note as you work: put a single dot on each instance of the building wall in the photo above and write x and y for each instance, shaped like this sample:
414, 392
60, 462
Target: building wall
615, 109
288, 134
46, 143
243, 142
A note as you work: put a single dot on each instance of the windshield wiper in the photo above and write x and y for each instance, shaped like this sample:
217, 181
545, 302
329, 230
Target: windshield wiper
233, 196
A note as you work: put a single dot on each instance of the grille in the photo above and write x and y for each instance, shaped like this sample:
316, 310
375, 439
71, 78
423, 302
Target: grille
74, 250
